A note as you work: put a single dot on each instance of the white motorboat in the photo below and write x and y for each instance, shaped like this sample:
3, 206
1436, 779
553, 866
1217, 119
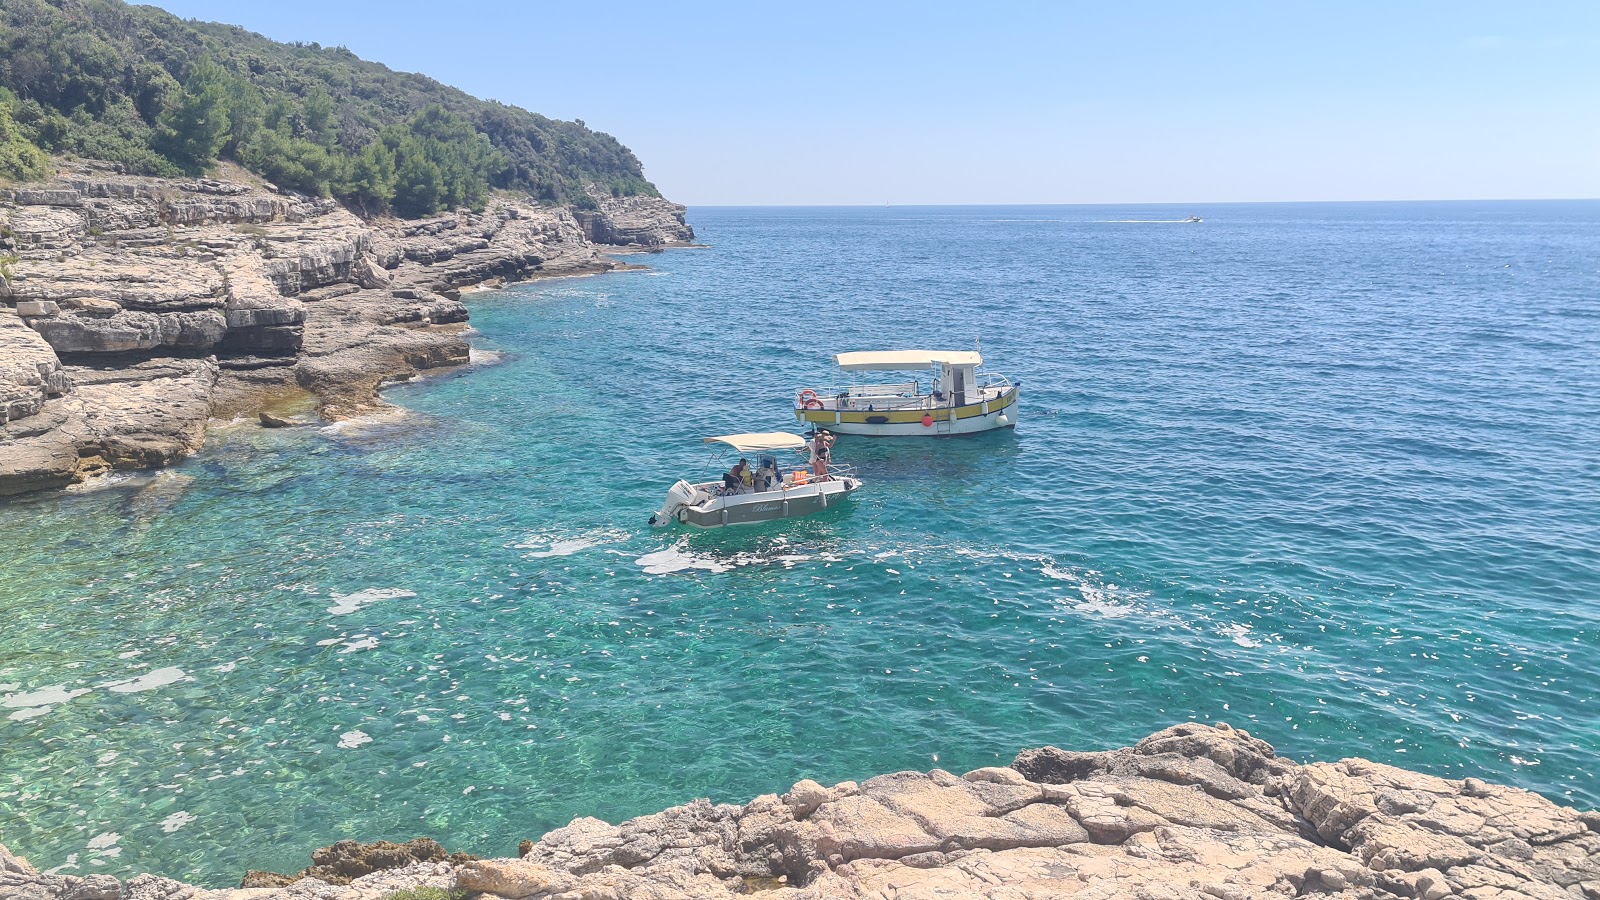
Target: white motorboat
955, 398
787, 492
1193, 220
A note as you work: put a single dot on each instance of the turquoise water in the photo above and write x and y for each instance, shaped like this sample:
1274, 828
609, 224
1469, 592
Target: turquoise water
1329, 472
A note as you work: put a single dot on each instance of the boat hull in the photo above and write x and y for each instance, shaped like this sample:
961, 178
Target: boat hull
769, 506
973, 418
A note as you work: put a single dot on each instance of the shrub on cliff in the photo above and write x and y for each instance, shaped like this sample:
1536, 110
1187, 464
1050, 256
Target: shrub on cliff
20, 159
136, 85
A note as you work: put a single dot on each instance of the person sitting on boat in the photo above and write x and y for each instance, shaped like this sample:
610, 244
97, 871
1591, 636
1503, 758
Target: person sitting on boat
767, 478
820, 445
739, 479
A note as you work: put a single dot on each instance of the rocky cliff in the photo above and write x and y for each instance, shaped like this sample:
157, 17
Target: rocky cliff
1190, 813
132, 309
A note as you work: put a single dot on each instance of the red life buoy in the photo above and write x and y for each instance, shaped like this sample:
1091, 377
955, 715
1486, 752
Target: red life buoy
808, 399
927, 420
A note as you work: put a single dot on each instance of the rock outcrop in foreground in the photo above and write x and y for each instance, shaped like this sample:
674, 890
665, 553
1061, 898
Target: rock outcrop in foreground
133, 309
1207, 813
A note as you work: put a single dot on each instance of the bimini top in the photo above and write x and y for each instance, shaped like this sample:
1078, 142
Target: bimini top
905, 359
755, 443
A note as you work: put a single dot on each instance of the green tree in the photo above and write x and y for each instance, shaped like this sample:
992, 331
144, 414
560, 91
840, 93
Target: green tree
291, 162
317, 113
370, 181
246, 113
194, 128
419, 184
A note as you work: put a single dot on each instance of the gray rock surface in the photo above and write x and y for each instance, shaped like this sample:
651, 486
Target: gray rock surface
288, 298
642, 222
1193, 812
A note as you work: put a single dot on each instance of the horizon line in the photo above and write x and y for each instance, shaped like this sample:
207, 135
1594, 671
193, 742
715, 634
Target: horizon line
1149, 202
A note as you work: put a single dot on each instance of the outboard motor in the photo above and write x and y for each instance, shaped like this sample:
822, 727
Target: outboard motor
679, 497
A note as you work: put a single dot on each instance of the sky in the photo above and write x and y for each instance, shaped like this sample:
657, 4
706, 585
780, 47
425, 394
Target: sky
1005, 102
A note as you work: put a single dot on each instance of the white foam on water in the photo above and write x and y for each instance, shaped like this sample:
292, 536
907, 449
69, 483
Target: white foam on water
476, 357
1239, 634
560, 548
544, 546
175, 821
345, 604
362, 642
388, 416
50, 696
109, 480
104, 840
329, 642
666, 562
23, 715
149, 681
71, 863
1103, 608
350, 740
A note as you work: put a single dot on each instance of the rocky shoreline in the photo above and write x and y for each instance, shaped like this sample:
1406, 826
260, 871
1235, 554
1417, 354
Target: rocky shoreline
1194, 811
134, 310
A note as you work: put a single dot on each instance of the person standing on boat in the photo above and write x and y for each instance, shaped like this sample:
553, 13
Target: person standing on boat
821, 443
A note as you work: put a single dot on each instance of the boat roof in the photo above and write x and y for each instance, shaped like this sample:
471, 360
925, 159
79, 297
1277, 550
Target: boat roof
760, 440
905, 359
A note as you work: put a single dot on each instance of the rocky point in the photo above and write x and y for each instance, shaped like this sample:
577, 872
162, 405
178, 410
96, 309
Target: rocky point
1193, 812
133, 310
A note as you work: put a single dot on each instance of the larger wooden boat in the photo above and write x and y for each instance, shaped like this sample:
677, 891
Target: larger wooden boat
948, 396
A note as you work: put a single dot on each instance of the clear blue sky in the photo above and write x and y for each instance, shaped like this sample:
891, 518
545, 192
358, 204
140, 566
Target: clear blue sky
994, 102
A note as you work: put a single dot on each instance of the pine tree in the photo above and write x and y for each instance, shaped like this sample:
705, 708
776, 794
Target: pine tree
195, 126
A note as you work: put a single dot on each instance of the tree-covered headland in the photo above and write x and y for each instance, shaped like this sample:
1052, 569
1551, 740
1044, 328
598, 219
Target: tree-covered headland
136, 85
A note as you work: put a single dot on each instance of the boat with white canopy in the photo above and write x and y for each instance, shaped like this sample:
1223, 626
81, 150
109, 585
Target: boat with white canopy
774, 491
948, 396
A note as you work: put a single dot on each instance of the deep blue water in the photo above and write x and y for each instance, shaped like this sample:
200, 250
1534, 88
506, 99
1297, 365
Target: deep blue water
1328, 472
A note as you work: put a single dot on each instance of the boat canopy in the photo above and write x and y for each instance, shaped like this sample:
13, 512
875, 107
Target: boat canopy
899, 360
759, 441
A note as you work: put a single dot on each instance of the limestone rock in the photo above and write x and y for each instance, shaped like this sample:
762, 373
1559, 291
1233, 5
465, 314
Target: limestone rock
145, 276
634, 221
344, 861
511, 878
30, 372
1195, 825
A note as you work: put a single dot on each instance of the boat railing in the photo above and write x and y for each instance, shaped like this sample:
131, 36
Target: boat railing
886, 396
840, 471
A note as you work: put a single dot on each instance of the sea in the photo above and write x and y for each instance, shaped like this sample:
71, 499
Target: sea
1328, 472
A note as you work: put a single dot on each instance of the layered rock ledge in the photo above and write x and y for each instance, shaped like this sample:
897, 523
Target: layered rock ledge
134, 309
1193, 812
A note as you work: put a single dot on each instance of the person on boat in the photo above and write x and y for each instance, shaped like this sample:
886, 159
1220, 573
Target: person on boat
739, 479
821, 443
767, 476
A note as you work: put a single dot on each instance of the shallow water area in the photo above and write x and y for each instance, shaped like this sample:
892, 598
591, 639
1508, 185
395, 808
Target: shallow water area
1327, 472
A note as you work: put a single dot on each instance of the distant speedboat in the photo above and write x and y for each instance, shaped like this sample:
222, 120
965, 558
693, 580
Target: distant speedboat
1193, 220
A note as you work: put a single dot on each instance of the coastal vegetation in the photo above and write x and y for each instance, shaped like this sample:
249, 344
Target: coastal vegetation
161, 96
